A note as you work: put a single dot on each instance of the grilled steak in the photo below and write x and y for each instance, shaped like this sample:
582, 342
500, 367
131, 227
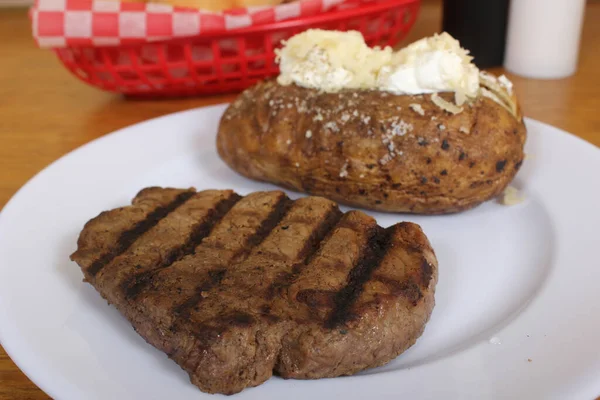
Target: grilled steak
235, 288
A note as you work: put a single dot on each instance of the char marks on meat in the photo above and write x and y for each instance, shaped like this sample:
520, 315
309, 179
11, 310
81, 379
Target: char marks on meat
236, 288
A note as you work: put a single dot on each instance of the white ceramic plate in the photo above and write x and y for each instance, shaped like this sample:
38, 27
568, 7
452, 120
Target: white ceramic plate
527, 276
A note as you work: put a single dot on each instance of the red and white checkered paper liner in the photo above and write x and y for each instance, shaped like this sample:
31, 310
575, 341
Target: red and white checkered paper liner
65, 23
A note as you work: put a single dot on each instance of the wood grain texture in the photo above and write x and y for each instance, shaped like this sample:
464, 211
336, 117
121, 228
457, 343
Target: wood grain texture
45, 113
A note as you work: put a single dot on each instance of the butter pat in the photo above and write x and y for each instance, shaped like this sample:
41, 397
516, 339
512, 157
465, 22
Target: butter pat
331, 61
511, 197
434, 64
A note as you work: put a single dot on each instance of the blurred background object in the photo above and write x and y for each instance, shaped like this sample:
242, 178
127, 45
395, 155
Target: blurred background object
143, 53
543, 37
480, 26
15, 3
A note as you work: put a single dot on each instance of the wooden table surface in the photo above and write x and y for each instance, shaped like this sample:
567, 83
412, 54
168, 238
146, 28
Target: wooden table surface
45, 113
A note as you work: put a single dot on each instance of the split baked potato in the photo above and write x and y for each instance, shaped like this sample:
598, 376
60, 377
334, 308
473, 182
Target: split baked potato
373, 149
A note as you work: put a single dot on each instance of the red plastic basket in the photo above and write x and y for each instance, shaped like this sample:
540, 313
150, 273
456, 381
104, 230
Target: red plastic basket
225, 62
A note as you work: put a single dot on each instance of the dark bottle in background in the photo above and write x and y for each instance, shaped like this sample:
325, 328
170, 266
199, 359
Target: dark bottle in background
479, 26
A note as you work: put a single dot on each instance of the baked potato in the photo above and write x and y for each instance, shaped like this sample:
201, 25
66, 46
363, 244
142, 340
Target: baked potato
373, 149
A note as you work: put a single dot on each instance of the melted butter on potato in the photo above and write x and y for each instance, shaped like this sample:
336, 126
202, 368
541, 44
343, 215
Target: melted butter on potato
331, 61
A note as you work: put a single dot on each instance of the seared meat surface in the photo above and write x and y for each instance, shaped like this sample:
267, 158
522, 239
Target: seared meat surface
236, 288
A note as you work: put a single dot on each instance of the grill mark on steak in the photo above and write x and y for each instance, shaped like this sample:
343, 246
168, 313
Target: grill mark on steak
237, 318
237, 336
317, 298
214, 278
279, 211
376, 248
311, 247
136, 283
267, 225
426, 272
173, 286
409, 290
284, 247
209, 322
413, 280
128, 237
206, 333
314, 290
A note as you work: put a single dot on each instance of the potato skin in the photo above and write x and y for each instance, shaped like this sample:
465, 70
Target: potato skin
354, 147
